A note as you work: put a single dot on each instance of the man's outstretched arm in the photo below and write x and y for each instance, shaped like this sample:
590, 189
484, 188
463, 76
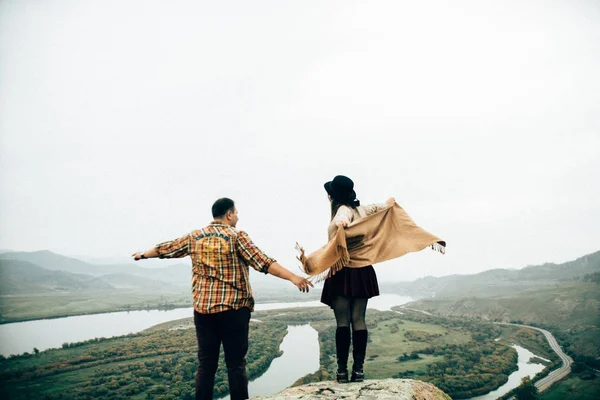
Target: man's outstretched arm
172, 249
151, 253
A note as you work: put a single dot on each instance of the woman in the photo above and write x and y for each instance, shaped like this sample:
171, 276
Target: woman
348, 291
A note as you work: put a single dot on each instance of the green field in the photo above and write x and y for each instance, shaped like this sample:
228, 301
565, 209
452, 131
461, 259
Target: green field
388, 342
570, 310
572, 387
16, 308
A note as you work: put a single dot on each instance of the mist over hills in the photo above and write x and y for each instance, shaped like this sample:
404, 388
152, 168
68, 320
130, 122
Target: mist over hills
45, 271
31, 269
498, 281
24, 277
48, 271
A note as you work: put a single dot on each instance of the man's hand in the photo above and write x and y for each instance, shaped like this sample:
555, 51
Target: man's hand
390, 202
141, 255
301, 283
342, 223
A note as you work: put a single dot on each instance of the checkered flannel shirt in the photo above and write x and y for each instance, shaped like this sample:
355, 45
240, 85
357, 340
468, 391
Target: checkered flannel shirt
220, 258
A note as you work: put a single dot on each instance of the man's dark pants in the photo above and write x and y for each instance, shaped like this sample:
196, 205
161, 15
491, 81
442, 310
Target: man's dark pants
231, 328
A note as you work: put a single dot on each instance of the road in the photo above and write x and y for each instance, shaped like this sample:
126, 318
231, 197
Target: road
414, 309
557, 374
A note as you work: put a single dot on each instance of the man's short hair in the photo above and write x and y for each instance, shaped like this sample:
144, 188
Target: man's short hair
221, 206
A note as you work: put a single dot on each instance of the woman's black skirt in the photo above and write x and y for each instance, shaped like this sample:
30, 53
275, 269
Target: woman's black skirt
351, 282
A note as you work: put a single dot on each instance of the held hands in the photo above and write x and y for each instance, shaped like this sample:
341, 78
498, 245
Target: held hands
301, 283
390, 202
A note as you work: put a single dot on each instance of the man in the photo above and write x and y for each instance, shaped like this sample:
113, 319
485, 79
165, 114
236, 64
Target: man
222, 294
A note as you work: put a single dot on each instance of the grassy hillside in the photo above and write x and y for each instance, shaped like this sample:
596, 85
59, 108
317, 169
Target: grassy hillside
573, 387
570, 310
178, 275
499, 282
125, 281
49, 260
23, 277
15, 308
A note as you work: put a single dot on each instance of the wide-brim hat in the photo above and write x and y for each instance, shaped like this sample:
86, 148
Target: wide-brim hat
341, 189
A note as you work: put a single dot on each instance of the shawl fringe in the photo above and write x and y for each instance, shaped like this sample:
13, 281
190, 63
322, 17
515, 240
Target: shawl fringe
329, 272
440, 247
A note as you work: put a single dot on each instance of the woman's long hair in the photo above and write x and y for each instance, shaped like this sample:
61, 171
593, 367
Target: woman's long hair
335, 206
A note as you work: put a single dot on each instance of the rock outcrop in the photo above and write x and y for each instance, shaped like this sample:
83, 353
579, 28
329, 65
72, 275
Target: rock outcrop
385, 389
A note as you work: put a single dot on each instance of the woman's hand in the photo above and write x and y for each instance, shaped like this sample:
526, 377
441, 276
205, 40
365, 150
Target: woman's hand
390, 201
342, 223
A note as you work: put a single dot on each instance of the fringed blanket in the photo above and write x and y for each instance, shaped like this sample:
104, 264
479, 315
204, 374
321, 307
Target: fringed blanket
382, 236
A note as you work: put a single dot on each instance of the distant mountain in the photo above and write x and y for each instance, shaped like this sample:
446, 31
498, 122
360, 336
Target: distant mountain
49, 260
125, 281
498, 281
126, 259
24, 277
177, 275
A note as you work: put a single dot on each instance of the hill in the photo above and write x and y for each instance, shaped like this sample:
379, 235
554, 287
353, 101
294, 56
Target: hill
24, 277
179, 275
125, 281
498, 282
44, 284
52, 261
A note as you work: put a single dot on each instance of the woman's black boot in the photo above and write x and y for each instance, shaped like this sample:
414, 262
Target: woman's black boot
359, 349
342, 347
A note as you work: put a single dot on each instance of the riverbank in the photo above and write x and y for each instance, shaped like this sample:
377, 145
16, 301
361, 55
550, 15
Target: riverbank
39, 306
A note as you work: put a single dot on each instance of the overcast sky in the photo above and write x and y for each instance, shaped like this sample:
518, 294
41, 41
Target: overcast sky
122, 121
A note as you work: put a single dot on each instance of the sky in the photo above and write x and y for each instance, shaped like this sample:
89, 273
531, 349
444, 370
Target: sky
121, 122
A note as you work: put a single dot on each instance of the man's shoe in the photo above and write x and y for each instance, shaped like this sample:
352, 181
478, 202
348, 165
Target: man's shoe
358, 376
342, 376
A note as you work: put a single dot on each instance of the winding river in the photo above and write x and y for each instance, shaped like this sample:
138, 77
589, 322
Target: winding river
524, 368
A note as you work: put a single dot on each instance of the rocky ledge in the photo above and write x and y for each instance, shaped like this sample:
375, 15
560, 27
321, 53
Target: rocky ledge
396, 389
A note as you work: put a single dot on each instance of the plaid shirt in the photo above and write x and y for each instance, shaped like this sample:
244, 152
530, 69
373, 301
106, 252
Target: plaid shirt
220, 258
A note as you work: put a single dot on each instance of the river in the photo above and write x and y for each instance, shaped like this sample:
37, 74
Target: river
20, 337
300, 357
525, 368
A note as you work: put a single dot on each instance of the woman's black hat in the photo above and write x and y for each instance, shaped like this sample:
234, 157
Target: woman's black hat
341, 189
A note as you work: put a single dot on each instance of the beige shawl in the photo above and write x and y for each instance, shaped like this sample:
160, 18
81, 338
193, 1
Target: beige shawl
382, 236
